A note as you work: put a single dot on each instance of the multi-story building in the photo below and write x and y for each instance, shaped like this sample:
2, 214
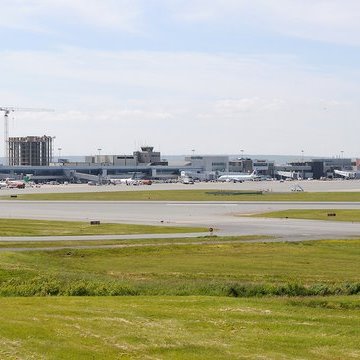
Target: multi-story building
296, 170
325, 167
209, 163
147, 155
243, 165
30, 150
264, 168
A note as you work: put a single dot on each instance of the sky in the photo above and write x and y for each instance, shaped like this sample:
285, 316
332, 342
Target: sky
186, 76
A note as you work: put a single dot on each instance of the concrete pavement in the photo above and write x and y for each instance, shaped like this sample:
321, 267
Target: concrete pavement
223, 216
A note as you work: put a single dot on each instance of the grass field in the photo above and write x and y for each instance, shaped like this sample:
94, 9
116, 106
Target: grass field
235, 299
179, 328
319, 214
229, 269
191, 195
26, 227
71, 244
221, 301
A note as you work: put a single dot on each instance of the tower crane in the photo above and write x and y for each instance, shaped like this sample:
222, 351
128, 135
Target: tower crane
7, 110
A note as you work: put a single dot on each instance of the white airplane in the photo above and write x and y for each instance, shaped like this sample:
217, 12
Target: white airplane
346, 174
239, 177
126, 181
130, 181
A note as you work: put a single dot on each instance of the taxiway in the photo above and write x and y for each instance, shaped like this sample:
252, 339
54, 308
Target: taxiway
228, 218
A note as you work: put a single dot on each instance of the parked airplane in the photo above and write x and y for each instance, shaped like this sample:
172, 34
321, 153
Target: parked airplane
145, 182
15, 184
239, 177
126, 181
130, 181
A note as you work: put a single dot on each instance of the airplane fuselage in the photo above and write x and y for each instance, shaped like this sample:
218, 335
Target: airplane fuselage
238, 177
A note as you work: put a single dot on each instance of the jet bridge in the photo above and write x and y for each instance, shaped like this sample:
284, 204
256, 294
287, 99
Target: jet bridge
288, 174
88, 177
346, 174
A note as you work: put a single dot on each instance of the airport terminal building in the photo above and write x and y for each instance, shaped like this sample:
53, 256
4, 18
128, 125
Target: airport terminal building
32, 157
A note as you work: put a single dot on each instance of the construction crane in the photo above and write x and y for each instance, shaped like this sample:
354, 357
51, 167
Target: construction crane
7, 110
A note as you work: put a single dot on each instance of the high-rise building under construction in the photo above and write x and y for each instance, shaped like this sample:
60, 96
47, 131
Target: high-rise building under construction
30, 150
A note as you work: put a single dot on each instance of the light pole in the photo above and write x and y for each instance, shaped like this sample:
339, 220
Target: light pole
302, 160
242, 161
59, 149
52, 153
99, 153
193, 152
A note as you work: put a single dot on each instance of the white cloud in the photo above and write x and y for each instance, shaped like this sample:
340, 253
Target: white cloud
230, 107
331, 21
336, 21
161, 74
213, 103
83, 132
41, 15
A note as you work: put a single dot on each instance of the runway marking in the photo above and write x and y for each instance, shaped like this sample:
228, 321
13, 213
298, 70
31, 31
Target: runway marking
202, 204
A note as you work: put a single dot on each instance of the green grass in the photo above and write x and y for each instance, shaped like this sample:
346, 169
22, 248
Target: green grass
125, 242
27, 227
242, 301
179, 328
318, 214
216, 300
192, 195
229, 269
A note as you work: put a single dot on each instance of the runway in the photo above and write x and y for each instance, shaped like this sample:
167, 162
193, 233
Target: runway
226, 217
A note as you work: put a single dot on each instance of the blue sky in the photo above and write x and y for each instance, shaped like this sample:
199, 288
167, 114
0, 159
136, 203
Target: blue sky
220, 76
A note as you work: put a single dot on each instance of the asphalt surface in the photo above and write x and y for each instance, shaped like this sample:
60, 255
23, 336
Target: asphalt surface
225, 217
272, 186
